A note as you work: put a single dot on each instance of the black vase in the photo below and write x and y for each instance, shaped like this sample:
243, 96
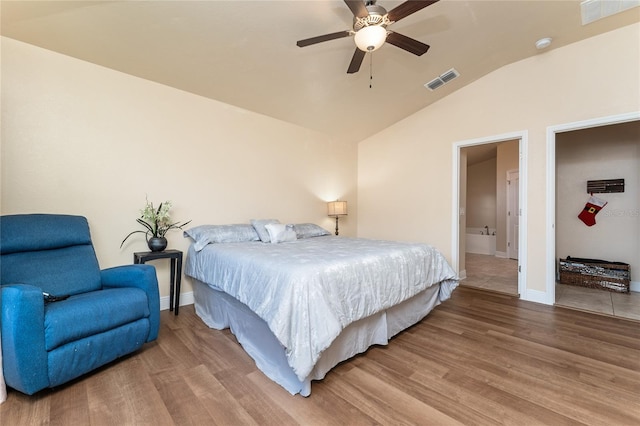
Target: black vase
157, 243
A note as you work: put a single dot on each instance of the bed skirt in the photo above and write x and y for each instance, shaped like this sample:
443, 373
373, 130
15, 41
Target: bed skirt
219, 310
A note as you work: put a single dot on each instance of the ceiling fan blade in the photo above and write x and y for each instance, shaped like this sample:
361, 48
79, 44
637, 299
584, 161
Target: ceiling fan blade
406, 43
407, 8
356, 61
357, 8
320, 39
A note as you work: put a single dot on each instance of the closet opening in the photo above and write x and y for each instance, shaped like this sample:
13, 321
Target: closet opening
578, 153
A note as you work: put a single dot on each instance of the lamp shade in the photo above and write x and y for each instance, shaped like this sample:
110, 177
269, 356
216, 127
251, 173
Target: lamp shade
337, 208
370, 38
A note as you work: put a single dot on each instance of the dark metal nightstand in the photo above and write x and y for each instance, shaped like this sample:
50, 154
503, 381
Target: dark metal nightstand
176, 271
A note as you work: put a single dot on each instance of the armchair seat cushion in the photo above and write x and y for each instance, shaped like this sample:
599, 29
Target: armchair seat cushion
92, 313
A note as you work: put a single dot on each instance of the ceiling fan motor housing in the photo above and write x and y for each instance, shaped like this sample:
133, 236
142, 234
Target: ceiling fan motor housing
377, 16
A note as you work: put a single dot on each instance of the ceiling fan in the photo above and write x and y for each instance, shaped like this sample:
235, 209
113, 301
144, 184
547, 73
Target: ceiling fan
370, 23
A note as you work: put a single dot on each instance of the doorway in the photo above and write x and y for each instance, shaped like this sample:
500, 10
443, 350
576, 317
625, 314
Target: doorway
459, 228
582, 155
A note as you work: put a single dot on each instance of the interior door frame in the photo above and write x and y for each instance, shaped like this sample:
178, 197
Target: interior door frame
551, 187
523, 138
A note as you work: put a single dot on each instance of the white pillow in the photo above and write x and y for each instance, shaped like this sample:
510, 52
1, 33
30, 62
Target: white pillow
281, 233
259, 226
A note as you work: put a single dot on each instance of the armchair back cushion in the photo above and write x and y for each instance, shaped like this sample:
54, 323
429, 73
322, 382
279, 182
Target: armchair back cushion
53, 252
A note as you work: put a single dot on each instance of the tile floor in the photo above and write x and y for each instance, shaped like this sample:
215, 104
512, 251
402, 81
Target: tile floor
624, 305
497, 274
491, 273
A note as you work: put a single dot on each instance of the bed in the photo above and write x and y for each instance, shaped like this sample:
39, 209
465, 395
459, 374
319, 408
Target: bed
300, 301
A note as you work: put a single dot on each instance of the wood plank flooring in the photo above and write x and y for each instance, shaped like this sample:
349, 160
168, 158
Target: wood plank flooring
478, 359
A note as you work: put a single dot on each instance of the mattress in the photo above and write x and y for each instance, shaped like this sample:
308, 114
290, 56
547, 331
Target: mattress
309, 291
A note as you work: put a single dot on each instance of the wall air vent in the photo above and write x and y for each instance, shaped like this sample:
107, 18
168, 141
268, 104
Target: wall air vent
442, 79
592, 10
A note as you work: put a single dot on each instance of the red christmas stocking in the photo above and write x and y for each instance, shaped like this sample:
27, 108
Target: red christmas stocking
591, 209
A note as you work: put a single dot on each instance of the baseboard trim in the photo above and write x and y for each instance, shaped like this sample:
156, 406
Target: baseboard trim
185, 299
463, 274
501, 254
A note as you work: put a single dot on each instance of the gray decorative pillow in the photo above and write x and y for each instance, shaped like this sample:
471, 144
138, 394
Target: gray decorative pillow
206, 234
259, 226
309, 230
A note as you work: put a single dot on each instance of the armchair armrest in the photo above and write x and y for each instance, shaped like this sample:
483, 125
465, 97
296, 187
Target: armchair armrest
140, 276
24, 355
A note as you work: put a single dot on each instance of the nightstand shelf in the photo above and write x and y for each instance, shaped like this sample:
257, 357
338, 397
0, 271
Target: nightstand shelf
176, 271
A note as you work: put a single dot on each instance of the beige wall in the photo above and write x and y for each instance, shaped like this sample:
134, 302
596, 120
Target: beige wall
609, 152
481, 194
487, 197
410, 163
81, 139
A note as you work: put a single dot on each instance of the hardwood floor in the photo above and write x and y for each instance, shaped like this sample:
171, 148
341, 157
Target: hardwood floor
479, 359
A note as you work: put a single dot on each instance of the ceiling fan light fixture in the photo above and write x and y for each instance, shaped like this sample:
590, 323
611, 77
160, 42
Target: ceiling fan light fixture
370, 38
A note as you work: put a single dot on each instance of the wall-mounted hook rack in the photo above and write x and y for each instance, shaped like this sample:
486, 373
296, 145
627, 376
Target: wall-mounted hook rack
605, 186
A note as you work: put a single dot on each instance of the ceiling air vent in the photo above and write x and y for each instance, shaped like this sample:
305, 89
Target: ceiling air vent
442, 79
449, 75
592, 10
434, 84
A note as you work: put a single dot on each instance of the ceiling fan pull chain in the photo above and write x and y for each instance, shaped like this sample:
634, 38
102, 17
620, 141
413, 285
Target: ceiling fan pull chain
370, 70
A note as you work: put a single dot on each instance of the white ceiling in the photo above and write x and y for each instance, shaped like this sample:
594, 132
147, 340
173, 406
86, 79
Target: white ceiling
244, 53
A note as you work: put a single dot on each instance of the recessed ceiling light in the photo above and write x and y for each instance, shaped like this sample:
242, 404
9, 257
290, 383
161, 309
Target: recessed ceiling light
543, 43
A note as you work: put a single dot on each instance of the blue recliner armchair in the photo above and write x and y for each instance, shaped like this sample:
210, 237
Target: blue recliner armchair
108, 313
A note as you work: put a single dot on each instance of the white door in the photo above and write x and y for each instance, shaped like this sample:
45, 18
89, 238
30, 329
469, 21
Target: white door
513, 213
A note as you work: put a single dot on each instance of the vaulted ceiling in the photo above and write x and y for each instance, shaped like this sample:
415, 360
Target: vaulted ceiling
244, 53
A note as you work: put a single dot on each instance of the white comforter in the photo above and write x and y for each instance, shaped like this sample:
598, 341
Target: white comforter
308, 290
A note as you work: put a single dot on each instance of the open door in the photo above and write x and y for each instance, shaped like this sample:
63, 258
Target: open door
513, 213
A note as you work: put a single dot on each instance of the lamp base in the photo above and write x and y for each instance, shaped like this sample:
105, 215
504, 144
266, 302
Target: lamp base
336, 225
